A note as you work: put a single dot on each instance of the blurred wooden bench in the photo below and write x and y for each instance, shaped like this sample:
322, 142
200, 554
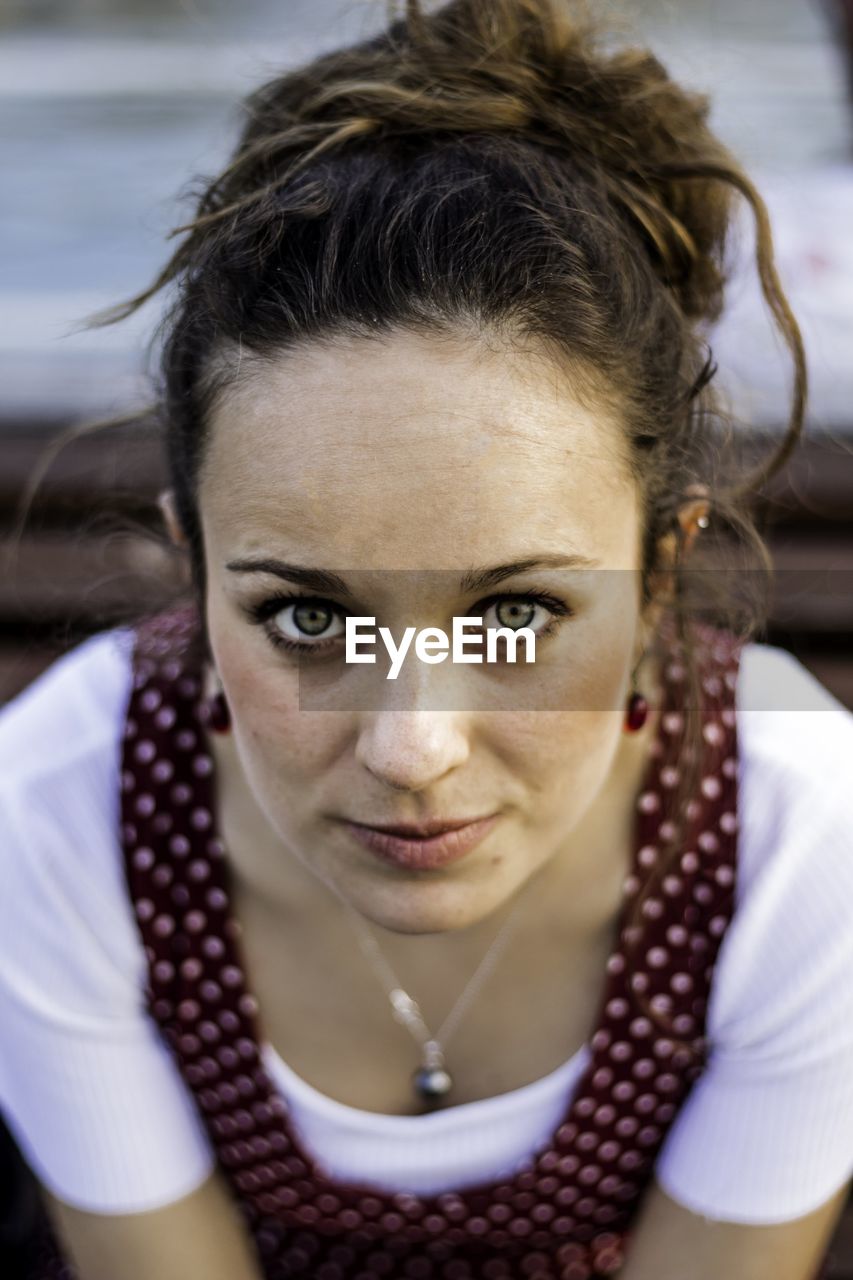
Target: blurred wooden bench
86, 553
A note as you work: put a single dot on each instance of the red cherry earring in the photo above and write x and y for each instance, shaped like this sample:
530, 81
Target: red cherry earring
216, 714
637, 713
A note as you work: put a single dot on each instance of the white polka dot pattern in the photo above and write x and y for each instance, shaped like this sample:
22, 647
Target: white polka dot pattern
567, 1213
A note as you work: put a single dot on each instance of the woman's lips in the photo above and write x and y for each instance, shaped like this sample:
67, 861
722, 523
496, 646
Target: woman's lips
437, 846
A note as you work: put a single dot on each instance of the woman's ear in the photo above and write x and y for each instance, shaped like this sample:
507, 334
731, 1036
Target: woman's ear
166, 503
696, 507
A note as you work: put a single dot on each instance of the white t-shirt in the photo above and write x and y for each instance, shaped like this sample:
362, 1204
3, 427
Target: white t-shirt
91, 1093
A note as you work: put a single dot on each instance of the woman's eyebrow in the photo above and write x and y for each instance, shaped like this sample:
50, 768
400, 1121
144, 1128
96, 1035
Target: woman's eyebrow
316, 579
479, 579
473, 580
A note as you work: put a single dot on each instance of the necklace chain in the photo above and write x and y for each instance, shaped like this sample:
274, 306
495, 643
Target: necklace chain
406, 1010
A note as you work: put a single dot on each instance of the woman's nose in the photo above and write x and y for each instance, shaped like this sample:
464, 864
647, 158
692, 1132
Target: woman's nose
410, 750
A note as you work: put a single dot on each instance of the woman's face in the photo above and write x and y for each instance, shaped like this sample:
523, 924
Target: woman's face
400, 467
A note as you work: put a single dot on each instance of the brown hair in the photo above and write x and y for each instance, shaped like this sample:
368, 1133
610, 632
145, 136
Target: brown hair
489, 166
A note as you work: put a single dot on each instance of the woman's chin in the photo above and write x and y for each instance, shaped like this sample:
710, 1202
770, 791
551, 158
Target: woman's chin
424, 904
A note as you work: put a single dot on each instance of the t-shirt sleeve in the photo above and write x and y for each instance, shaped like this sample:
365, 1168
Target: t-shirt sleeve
88, 1087
766, 1134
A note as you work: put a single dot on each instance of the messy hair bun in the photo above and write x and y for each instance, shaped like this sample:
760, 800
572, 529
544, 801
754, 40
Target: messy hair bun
491, 166
527, 74
525, 68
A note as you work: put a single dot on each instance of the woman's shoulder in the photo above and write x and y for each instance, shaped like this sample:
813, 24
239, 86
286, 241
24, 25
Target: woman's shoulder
793, 747
73, 970
60, 769
765, 1135
73, 708
789, 725
795, 802
782, 998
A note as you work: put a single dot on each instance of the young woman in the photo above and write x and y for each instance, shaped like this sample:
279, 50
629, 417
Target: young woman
502, 969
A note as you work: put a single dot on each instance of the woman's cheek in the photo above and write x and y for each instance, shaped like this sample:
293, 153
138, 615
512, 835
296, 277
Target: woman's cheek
286, 744
600, 663
564, 758
589, 740
276, 738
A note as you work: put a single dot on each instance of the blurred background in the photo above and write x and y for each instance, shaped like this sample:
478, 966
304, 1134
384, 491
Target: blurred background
108, 111
109, 108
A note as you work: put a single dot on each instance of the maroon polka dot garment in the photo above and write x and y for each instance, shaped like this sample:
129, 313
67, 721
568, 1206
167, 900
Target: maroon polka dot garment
567, 1213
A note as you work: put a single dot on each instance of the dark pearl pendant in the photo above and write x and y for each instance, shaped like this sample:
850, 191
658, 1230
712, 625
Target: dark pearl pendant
432, 1083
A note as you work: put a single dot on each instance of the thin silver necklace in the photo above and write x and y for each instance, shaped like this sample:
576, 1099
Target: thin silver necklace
431, 1080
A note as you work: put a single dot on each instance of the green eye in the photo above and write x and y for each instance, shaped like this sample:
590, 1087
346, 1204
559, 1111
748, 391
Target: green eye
299, 624
312, 619
514, 614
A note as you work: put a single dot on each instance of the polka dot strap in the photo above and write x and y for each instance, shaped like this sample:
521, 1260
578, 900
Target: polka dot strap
567, 1212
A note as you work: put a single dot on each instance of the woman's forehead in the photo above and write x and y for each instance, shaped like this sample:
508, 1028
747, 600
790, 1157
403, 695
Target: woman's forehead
415, 440
392, 525
374, 407
414, 453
